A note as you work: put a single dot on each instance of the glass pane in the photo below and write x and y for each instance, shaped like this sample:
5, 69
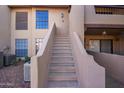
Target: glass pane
21, 20
21, 47
41, 19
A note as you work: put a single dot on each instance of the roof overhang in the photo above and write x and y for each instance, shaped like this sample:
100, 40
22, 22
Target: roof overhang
41, 6
97, 29
110, 6
104, 26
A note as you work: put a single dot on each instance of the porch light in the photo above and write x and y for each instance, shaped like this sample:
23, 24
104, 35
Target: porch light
104, 33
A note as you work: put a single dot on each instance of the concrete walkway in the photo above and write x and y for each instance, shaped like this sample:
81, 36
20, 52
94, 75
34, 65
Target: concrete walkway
12, 77
112, 83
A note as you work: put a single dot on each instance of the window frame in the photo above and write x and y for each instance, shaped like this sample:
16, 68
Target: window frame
43, 21
23, 55
24, 21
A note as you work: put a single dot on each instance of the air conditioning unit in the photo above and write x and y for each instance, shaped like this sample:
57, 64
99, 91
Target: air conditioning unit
27, 71
9, 59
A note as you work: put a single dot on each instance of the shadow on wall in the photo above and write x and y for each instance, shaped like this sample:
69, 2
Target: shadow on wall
114, 64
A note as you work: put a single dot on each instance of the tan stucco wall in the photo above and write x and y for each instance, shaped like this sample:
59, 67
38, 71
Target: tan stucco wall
114, 64
32, 33
87, 69
5, 31
76, 20
92, 18
73, 22
117, 42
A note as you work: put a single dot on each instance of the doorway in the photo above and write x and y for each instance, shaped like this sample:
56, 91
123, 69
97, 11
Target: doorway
104, 45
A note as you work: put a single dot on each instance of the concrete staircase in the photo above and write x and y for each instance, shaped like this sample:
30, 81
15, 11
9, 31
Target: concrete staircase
62, 69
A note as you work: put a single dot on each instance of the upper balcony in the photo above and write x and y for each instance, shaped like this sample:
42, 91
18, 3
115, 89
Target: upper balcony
112, 15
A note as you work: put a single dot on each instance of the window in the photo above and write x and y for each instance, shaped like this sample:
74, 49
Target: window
37, 43
21, 47
21, 20
41, 19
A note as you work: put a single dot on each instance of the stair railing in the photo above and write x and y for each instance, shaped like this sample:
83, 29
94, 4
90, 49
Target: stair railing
39, 63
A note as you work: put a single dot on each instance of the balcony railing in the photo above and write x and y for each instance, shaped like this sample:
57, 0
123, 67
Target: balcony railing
109, 10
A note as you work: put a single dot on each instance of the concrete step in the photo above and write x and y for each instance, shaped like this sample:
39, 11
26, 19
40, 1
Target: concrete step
62, 74
62, 62
62, 78
61, 47
61, 40
62, 54
61, 37
61, 43
61, 51
67, 38
63, 84
62, 65
62, 69
62, 58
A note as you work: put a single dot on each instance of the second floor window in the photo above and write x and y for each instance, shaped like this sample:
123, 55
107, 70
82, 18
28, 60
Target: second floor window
21, 20
41, 19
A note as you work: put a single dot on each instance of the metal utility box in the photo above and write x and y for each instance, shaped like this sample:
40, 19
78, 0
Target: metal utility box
27, 71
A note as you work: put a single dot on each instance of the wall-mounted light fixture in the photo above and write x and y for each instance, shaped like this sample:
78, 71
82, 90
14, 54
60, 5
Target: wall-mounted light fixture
104, 32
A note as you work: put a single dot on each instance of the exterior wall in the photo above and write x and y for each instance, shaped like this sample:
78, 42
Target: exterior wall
32, 33
76, 20
4, 27
92, 18
117, 43
76, 25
